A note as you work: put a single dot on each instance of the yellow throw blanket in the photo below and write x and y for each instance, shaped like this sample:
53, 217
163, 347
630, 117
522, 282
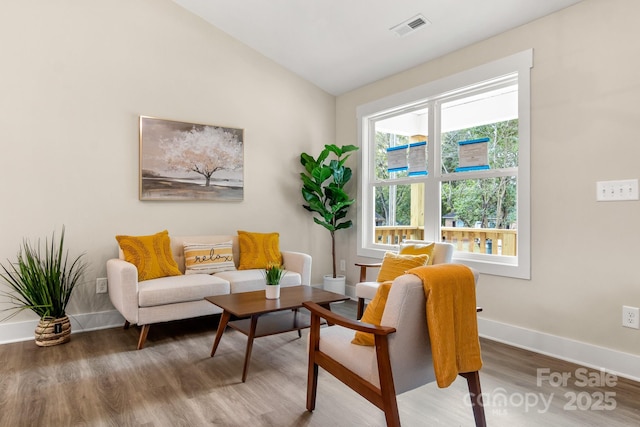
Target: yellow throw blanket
451, 317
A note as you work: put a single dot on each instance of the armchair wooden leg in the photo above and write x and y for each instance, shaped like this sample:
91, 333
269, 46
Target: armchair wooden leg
143, 336
475, 393
126, 324
360, 308
312, 374
312, 387
387, 388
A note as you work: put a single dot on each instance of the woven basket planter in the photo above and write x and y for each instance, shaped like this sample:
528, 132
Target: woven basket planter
52, 331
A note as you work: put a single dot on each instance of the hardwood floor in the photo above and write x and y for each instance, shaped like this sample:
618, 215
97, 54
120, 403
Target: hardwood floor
100, 379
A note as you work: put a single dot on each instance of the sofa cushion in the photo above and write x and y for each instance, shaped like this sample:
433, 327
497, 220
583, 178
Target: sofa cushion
254, 280
373, 314
418, 249
394, 265
151, 255
257, 250
177, 246
175, 289
208, 258
367, 290
336, 343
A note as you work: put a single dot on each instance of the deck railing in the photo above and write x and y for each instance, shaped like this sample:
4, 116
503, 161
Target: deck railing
394, 234
496, 241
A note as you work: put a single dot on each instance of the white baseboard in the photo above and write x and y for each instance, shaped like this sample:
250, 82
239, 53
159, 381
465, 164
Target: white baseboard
24, 331
616, 362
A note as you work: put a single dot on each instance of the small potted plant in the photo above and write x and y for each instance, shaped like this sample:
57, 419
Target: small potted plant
43, 281
273, 273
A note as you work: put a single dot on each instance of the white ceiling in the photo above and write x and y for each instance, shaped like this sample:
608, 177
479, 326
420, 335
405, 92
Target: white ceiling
340, 45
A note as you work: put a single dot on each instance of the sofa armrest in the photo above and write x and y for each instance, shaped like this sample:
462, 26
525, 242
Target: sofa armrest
336, 319
364, 267
300, 263
122, 280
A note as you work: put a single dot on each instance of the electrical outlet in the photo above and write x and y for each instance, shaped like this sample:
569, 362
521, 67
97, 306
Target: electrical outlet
101, 285
343, 265
631, 317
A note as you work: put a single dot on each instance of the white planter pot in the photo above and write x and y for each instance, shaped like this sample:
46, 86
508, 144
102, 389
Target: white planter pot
272, 291
336, 285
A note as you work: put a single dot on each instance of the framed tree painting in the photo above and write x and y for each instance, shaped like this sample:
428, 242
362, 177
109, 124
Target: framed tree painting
188, 161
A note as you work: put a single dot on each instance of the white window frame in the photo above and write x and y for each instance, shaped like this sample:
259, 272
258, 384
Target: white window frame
520, 63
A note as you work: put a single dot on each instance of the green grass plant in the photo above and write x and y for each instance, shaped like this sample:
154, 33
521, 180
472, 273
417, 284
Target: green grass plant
42, 280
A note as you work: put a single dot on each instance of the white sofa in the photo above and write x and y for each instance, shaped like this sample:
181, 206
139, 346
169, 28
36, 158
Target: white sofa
181, 297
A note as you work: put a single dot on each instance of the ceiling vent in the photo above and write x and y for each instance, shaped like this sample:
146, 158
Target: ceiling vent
410, 25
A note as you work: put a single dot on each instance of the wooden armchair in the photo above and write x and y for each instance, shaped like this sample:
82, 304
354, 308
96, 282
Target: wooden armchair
366, 290
400, 361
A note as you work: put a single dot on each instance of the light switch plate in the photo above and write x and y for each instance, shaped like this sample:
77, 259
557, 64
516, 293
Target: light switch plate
615, 191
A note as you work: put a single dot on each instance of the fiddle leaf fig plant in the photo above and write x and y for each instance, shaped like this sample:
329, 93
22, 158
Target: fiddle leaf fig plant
323, 183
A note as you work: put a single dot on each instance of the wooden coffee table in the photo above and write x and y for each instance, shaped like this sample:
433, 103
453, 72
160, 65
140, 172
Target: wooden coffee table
276, 315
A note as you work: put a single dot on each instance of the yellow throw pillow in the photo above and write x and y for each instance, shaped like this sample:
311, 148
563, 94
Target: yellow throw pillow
394, 265
208, 258
257, 250
418, 249
150, 254
373, 314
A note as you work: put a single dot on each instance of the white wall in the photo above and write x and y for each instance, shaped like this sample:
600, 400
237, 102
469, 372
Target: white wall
584, 121
75, 76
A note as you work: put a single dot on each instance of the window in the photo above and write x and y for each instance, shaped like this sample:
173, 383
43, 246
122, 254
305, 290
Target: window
449, 161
